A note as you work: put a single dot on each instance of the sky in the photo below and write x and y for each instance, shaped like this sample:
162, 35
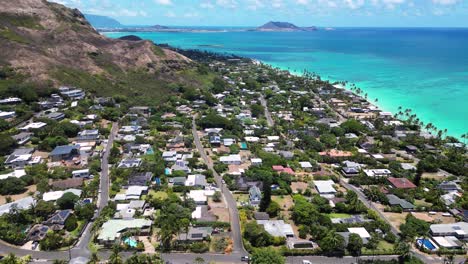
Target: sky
323, 13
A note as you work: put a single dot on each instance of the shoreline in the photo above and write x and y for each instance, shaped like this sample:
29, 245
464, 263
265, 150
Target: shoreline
345, 87
386, 101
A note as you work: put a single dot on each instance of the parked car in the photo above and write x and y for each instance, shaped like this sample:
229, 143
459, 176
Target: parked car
306, 262
245, 258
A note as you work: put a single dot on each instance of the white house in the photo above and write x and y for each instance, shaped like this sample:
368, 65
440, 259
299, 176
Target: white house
256, 162
231, 159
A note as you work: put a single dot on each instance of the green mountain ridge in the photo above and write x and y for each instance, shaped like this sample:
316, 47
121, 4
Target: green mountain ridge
47, 44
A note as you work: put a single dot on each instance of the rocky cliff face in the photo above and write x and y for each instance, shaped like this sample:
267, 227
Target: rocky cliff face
38, 37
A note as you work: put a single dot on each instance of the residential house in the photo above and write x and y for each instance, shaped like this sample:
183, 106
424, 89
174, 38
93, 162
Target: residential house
195, 234
200, 196
33, 126
21, 204
88, 135
458, 230
325, 188
169, 156
135, 192
19, 158
57, 221
57, 116
130, 163
64, 153
67, 183
181, 165
256, 162
140, 179
215, 141
401, 183
177, 181
378, 173
142, 110
306, 165
71, 93
22, 138
81, 173
112, 230
394, 200
449, 186
231, 159
277, 228
197, 180
255, 195
38, 232
7, 115
286, 154
55, 195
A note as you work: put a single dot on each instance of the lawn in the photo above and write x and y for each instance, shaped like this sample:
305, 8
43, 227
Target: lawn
422, 203
159, 195
285, 201
241, 197
383, 246
336, 215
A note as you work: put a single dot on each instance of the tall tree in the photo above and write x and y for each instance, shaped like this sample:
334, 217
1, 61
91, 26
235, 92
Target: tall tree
355, 244
267, 255
266, 197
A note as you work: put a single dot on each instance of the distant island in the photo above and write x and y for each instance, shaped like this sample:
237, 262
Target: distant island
283, 27
108, 24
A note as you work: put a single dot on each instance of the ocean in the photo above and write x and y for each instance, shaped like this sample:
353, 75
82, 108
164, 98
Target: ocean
423, 69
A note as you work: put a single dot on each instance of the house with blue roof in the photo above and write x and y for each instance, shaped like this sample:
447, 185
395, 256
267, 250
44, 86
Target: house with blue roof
64, 153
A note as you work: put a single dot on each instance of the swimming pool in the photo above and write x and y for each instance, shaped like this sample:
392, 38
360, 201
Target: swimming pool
149, 151
243, 145
426, 243
131, 242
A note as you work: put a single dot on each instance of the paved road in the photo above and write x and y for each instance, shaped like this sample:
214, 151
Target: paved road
426, 258
236, 258
238, 246
81, 247
270, 120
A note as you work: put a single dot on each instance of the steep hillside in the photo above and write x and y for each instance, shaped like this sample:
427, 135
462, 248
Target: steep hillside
50, 42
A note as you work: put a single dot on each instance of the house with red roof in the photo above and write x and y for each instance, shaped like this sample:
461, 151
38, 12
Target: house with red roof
281, 169
401, 183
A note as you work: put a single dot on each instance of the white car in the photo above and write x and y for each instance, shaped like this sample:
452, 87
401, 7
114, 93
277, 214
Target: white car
306, 262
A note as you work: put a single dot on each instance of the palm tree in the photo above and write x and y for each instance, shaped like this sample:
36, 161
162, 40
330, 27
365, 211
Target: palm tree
403, 249
115, 257
94, 258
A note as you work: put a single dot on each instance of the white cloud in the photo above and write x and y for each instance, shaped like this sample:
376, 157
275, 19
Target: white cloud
302, 2
354, 4
227, 3
445, 2
163, 2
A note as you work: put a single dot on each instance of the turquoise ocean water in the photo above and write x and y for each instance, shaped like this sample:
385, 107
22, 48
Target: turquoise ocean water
425, 70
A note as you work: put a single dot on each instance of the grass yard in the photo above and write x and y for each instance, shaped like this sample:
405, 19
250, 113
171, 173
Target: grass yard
422, 203
383, 246
159, 195
241, 197
285, 201
336, 215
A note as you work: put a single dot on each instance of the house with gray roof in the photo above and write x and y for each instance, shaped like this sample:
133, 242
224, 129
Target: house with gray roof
64, 153
394, 200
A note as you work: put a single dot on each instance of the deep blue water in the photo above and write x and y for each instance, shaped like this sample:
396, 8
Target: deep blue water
425, 70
